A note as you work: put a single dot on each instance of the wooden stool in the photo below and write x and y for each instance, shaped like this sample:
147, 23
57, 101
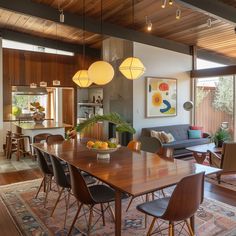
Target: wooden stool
15, 143
40, 137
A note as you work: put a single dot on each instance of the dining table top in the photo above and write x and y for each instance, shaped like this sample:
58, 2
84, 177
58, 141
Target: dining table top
132, 172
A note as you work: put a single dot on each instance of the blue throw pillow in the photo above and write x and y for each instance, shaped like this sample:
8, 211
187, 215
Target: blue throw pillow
194, 134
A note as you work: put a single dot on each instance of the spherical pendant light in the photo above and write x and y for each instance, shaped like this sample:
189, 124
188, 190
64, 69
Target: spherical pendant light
81, 78
101, 72
132, 68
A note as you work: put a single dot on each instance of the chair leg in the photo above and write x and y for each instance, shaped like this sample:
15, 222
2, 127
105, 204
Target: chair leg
163, 193
189, 228
112, 212
67, 207
171, 229
103, 217
58, 199
41, 185
218, 176
90, 219
151, 227
75, 218
145, 221
131, 200
47, 188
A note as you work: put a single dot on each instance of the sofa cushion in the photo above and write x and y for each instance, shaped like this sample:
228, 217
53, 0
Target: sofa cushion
194, 134
180, 132
186, 143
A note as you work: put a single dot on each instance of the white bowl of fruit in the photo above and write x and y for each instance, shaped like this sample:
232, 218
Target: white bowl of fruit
103, 149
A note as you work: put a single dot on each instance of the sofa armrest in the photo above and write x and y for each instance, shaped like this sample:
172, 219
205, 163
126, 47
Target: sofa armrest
150, 144
206, 135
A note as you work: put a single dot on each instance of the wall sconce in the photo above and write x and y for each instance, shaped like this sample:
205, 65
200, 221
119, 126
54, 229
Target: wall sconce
178, 14
43, 84
148, 24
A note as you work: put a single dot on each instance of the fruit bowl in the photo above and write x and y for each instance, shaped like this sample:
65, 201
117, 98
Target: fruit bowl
103, 153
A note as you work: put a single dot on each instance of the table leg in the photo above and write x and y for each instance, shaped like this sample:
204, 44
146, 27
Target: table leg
192, 223
118, 213
199, 157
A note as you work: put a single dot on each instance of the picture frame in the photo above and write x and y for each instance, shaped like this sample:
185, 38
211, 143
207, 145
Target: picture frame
161, 97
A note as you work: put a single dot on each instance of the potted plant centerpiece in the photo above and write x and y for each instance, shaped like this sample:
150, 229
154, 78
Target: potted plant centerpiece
220, 137
38, 115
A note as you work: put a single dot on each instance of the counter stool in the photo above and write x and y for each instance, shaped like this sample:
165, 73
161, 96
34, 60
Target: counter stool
15, 143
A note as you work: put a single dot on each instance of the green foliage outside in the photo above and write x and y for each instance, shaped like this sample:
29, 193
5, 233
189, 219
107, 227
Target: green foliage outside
223, 98
201, 93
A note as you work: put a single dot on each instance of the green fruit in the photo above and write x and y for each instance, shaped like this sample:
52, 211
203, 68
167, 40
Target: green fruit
16, 111
96, 145
111, 145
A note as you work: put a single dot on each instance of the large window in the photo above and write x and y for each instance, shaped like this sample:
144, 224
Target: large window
214, 103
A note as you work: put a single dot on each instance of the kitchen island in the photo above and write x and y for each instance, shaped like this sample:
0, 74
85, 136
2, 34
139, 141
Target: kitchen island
30, 128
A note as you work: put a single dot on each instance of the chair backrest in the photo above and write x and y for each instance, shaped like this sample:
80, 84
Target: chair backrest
228, 162
40, 137
149, 144
59, 173
186, 198
42, 162
134, 145
79, 187
54, 139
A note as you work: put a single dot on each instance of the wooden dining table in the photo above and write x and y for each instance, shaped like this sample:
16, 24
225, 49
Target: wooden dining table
135, 173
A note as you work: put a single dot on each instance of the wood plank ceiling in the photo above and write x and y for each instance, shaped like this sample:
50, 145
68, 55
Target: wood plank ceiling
190, 29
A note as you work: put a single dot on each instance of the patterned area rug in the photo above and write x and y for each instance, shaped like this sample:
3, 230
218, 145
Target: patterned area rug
213, 217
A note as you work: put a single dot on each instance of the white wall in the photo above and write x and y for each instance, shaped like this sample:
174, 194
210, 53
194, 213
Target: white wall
161, 63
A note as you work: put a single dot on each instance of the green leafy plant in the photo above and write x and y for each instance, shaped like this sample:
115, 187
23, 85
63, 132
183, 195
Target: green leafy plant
221, 136
121, 125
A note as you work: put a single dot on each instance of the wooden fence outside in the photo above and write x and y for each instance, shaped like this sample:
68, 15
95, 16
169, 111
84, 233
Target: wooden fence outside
210, 118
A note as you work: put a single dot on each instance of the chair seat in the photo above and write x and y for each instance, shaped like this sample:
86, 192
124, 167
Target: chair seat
88, 179
102, 193
155, 208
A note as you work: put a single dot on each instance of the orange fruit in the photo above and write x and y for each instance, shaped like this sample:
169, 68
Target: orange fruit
90, 144
103, 145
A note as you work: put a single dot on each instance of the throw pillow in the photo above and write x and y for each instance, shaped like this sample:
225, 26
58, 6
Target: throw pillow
164, 137
197, 128
156, 134
171, 138
194, 134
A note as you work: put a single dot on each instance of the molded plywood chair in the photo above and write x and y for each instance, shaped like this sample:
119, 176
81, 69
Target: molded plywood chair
47, 174
54, 139
90, 196
225, 161
180, 206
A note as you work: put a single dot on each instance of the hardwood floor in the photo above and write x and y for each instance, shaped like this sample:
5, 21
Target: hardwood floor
8, 227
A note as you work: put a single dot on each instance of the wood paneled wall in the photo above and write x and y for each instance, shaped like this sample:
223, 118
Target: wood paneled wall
24, 67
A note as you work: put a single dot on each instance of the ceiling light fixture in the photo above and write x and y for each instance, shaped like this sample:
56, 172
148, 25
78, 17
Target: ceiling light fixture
178, 14
209, 22
132, 67
163, 4
148, 24
81, 77
101, 72
171, 2
62, 16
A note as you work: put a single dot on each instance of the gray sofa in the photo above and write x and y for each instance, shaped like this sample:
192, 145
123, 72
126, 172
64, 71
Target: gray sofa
180, 133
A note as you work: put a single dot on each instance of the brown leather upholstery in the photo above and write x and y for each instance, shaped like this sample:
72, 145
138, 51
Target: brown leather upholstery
54, 139
225, 161
183, 203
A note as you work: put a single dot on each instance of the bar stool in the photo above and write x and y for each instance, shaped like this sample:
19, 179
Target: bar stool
16, 143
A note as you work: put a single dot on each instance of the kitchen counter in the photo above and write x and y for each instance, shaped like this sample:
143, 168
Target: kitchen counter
48, 126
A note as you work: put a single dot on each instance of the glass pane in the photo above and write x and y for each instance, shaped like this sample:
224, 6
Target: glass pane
214, 103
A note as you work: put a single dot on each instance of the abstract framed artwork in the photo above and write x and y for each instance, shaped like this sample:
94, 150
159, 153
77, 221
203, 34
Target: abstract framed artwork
161, 97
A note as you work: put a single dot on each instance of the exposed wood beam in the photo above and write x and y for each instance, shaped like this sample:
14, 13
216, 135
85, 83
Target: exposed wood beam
214, 8
221, 71
46, 12
44, 42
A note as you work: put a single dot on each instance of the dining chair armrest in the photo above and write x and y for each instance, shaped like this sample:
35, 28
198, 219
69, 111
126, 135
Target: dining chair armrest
215, 159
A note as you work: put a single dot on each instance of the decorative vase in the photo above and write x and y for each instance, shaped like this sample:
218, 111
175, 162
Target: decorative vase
38, 117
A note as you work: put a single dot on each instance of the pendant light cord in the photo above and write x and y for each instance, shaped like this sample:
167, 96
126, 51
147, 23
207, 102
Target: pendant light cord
101, 23
83, 63
133, 13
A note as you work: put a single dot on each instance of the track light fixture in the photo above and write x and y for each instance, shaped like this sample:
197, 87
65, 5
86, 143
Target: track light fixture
171, 2
163, 4
148, 24
209, 22
62, 17
178, 14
